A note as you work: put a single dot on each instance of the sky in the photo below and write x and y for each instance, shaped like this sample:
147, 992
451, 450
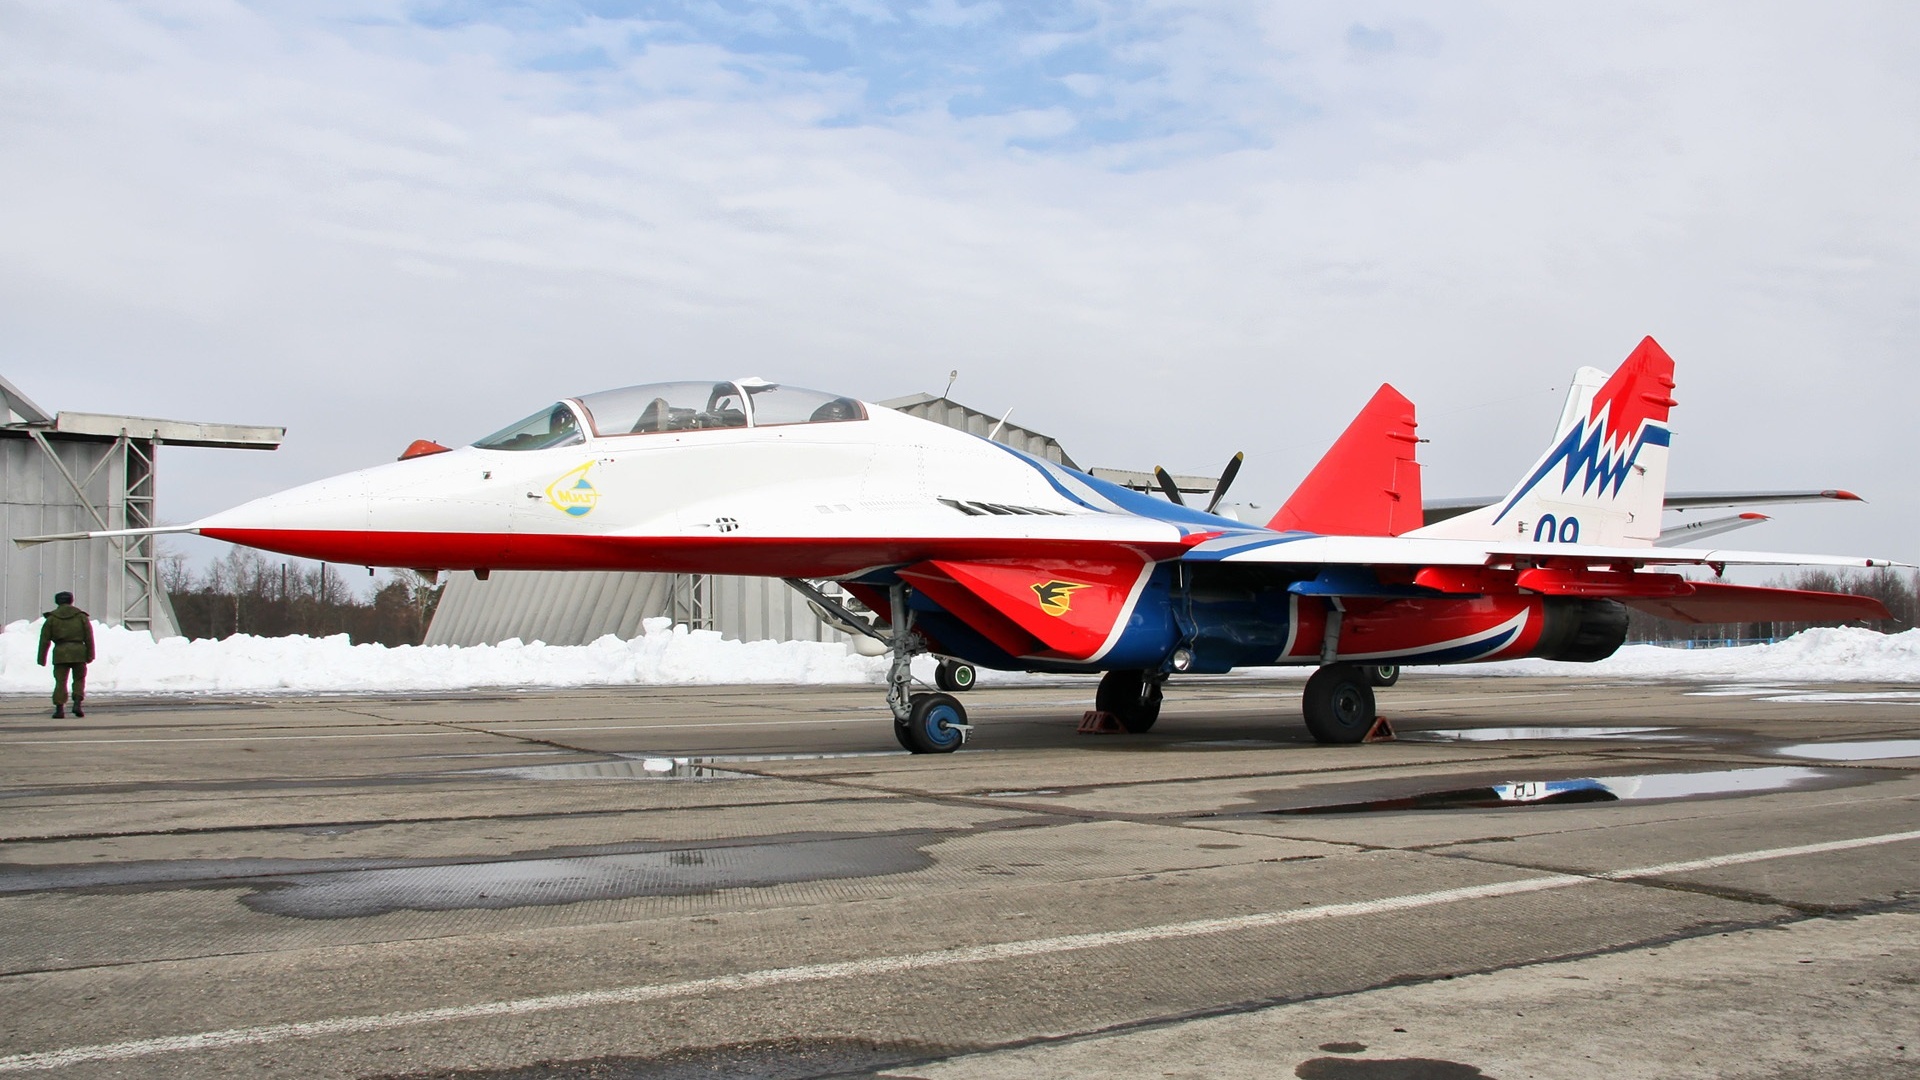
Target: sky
1160, 232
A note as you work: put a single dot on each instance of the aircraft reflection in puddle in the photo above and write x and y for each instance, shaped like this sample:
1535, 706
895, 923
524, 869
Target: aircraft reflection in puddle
667, 767
1642, 788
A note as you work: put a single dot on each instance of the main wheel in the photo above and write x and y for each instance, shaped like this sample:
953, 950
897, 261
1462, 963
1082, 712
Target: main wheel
933, 725
954, 675
1339, 704
1383, 674
1133, 697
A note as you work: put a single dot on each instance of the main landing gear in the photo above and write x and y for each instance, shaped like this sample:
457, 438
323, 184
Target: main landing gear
1131, 697
1338, 702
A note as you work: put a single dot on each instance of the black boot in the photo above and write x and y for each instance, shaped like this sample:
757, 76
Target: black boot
59, 712
78, 711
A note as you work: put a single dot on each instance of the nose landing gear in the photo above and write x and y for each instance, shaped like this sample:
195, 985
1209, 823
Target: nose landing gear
922, 723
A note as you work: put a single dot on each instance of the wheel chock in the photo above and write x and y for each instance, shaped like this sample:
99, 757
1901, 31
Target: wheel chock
1096, 722
1381, 731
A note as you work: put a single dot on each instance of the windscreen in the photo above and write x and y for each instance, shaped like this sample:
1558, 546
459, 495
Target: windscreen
553, 426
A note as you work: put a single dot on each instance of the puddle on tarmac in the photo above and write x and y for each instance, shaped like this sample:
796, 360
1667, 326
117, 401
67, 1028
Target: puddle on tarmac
1505, 734
1877, 750
667, 767
516, 883
647, 768
1587, 789
1849, 697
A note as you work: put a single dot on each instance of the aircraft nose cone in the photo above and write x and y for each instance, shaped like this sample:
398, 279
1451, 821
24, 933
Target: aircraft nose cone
339, 502
424, 512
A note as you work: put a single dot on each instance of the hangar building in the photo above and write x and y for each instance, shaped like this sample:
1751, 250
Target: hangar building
80, 472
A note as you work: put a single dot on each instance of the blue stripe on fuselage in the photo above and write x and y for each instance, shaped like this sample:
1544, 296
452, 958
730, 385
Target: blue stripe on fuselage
1129, 500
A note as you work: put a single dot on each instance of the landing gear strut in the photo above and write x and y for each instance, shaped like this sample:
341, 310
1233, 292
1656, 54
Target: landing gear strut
1133, 697
923, 723
1339, 703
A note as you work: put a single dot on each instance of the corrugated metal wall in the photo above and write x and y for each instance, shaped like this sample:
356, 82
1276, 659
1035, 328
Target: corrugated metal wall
974, 422
36, 499
576, 607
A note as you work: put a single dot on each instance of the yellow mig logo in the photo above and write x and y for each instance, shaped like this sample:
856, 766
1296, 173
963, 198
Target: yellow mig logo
572, 494
1056, 597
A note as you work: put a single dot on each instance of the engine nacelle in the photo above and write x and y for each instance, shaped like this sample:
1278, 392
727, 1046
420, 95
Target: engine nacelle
1580, 630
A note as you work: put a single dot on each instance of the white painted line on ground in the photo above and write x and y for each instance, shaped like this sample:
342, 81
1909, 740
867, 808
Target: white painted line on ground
1758, 856
886, 965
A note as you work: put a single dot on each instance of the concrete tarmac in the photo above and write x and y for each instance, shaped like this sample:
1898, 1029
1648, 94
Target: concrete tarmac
1541, 878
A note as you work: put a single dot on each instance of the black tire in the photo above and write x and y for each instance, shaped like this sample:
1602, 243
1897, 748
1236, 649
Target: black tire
1133, 697
1383, 674
1339, 704
930, 726
955, 676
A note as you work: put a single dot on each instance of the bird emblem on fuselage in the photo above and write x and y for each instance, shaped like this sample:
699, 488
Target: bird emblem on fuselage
1056, 597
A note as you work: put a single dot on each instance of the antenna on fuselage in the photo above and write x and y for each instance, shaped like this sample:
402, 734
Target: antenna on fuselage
995, 433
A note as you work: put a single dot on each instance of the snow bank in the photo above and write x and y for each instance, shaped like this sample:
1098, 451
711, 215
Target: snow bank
132, 663
1844, 654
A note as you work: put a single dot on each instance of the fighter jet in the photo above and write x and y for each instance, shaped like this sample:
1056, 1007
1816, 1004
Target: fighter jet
972, 549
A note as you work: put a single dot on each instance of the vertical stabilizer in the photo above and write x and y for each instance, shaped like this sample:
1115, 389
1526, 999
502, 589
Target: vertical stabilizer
1604, 477
1368, 484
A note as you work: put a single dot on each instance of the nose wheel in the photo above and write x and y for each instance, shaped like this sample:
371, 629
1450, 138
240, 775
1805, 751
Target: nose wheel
935, 724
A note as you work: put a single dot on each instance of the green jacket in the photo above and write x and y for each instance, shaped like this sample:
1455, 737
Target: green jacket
69, 632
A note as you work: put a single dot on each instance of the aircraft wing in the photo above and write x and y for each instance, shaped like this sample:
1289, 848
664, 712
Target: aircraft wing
1433, 510
1420, 552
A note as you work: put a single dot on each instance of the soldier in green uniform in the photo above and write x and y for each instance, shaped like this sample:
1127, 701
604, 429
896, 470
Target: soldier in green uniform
69, 633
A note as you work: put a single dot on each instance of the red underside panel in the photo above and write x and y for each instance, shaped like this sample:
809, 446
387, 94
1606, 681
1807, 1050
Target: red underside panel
1069, 606
1602, 583
768, 557
1385, 626
978, 614
1717, 603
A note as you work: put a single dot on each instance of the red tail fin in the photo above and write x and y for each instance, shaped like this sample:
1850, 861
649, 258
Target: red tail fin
1368, 484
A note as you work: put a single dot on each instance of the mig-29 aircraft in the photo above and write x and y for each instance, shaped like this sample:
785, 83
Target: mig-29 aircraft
972, 549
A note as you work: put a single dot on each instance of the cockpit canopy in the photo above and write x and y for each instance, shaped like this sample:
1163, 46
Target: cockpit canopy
674, 406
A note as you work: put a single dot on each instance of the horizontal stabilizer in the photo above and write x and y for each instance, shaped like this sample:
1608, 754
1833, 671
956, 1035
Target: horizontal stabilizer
1675, 535
1714, 602
1368, 484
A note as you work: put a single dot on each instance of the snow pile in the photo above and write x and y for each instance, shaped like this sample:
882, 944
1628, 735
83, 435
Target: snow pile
130, 662
1846, 654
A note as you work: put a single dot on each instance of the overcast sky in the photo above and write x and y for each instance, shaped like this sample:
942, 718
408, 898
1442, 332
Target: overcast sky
1161, 232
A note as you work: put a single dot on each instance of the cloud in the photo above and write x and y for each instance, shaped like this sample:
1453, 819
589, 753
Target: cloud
1158, 231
